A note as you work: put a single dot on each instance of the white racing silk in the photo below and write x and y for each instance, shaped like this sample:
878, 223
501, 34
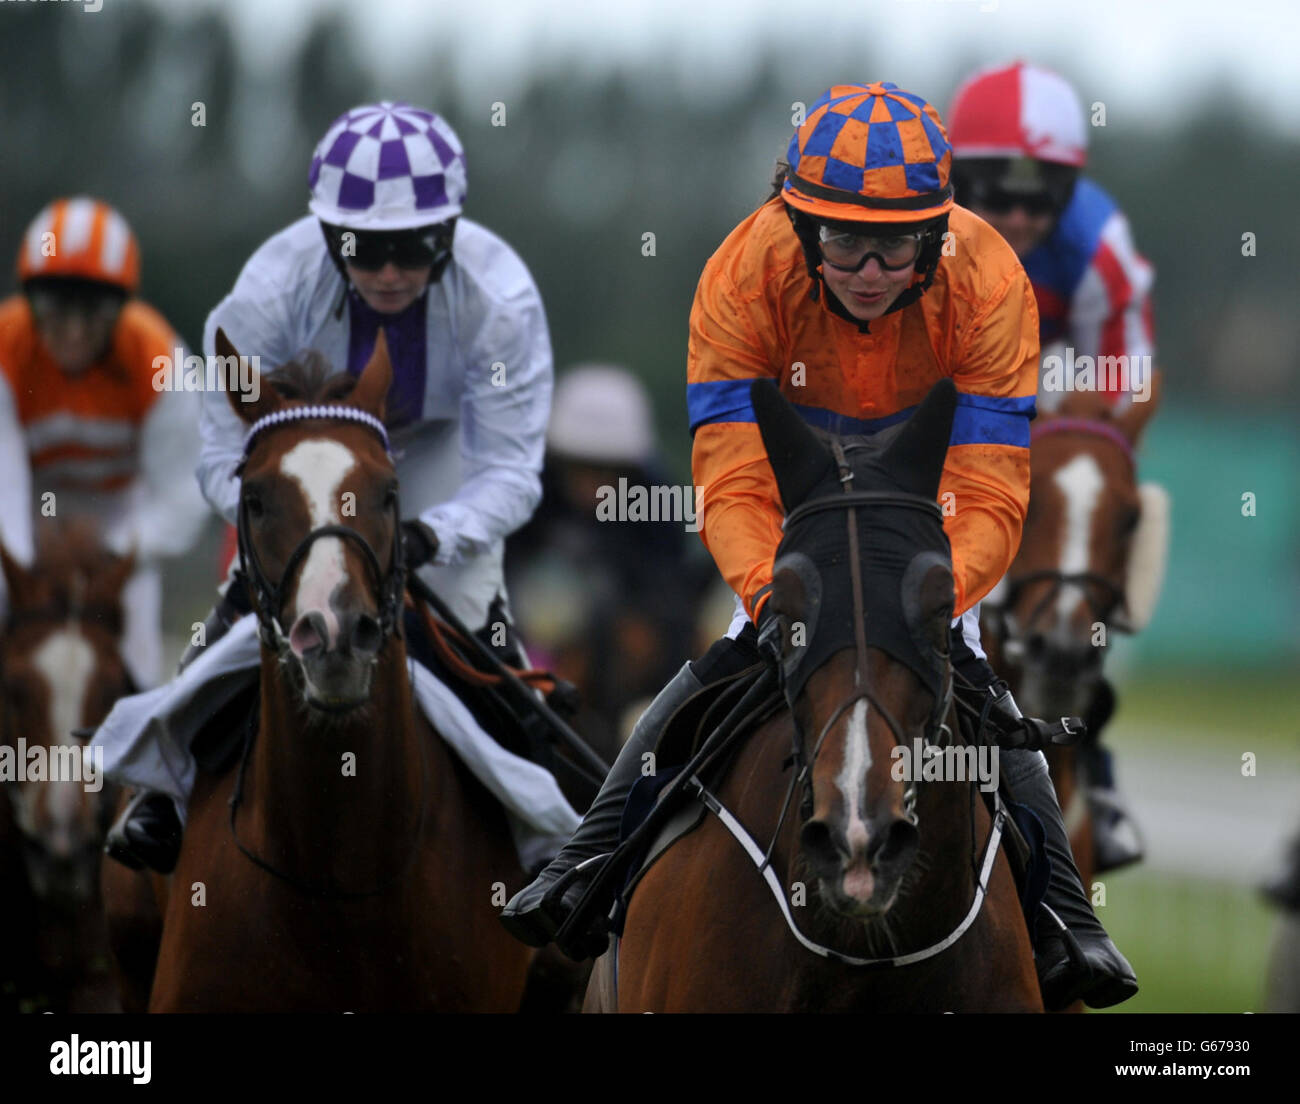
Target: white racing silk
147, 737
469, 462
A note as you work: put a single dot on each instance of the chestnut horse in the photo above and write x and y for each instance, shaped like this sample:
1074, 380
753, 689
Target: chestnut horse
61, 671
357, 868
885, 892
1090, 563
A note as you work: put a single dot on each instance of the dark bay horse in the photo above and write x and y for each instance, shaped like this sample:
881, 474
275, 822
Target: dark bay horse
359, 868
62, 671
882, 891
1090, 563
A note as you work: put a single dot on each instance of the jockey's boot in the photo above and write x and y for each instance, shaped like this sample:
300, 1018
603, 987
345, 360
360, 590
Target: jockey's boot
535, 913
1283, 886
147, 834
230, 607
1075, 958
1116, 841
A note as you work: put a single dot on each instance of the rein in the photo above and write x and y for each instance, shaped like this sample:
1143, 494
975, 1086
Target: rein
761, 861
324, 893
268, 601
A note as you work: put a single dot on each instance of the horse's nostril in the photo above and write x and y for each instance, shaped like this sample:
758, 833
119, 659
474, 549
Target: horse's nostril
308, 634
821, 845
366, 635
894, 845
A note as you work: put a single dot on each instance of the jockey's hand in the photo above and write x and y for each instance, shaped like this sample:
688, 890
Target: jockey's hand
770, 641
420, 544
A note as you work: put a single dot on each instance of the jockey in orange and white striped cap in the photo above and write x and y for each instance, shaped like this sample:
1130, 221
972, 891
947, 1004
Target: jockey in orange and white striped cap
84, 431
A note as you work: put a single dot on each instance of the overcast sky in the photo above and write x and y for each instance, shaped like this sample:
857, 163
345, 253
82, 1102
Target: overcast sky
1141, 57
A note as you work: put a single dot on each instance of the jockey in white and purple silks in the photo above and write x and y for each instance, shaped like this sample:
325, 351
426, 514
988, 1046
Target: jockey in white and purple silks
385, 246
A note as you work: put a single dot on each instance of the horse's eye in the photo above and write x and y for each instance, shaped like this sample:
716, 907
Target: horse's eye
254, 506
1129, 521
390, 498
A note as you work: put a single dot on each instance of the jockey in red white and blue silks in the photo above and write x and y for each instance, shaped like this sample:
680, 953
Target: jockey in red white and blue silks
1019, 143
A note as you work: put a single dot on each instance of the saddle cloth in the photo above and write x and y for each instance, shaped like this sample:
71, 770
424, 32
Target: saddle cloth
147, 741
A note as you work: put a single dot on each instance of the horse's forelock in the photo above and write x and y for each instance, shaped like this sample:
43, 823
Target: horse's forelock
311, 378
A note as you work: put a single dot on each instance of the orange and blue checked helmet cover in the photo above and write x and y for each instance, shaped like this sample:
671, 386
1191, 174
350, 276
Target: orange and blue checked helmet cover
870, 153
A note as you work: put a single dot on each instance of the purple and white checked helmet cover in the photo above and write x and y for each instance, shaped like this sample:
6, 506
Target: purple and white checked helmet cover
387, 166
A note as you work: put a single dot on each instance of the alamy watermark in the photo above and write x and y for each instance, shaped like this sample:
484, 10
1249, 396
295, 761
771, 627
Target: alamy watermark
660, 502
215, 373
924, 762
57, 763
1103, 373
97, 1057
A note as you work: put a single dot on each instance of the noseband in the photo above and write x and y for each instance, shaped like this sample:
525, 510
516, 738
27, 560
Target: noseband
390, 586
936, 725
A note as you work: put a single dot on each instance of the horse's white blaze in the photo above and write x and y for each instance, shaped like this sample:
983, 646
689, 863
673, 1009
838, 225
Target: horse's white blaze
66, 661
319, 468
853, 776
1081, 483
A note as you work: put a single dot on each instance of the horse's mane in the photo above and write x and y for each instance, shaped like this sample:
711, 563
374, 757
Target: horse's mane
311, 378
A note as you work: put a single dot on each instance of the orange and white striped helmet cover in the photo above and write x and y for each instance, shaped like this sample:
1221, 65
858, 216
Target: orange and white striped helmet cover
81, 238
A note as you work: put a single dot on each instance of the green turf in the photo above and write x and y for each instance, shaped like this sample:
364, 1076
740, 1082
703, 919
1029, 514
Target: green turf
1197, 946
1200, 709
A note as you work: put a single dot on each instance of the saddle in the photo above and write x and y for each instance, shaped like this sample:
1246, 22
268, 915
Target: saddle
682, 739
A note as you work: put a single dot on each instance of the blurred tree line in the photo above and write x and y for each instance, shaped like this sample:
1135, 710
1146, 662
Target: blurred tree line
584, 166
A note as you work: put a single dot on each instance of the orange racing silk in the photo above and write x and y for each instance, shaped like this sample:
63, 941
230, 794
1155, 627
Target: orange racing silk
752, 318
83, 432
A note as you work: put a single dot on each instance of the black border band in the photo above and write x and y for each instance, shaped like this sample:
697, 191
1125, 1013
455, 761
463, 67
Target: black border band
835, 195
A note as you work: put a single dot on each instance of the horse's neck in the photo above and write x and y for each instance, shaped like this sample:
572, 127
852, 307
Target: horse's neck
345, 793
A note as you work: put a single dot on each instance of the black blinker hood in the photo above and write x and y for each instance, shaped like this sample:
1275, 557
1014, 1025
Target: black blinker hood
898, 543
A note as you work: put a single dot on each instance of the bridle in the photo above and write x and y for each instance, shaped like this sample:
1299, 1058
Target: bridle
1090, 582
803, 761
390, 585
269, 597
936, 725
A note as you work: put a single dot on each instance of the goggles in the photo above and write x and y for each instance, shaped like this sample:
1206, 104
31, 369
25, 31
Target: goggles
409, 249
64, 300
849, 252
1001, 185
1001, 202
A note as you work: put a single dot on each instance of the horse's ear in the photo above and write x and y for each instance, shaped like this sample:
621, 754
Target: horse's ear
799, 460
1133, 419
915, 457
16, 576
371, 391
253, 402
